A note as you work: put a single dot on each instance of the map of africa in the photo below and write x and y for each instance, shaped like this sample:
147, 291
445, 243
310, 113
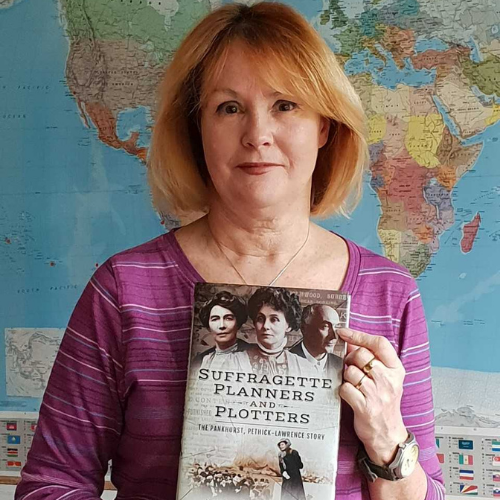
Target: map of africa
77, 97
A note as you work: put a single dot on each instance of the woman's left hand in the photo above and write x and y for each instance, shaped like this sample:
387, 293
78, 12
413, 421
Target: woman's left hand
373, 387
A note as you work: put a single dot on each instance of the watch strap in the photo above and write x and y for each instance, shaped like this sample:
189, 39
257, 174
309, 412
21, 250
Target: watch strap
373, 471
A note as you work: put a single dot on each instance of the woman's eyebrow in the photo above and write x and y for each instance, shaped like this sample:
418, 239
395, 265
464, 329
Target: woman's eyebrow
235, 94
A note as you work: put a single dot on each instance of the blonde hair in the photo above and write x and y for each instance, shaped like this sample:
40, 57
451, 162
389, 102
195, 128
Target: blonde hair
288, 50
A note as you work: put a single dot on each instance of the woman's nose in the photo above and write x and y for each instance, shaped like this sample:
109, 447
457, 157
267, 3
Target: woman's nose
258, 129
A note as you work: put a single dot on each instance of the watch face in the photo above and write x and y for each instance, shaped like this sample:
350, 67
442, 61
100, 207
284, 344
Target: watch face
409, 460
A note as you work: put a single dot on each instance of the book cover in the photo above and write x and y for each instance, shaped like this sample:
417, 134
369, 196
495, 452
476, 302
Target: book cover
262, 412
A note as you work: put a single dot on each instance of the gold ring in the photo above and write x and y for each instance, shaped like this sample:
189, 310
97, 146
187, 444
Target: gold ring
360, 383
369, 366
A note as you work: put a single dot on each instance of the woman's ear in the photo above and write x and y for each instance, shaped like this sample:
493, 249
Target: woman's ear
324, 130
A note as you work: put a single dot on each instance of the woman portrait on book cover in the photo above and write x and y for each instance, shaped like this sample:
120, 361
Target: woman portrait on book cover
292, 487
223, 315
275, 312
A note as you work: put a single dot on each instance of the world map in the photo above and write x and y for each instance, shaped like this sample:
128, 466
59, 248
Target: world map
77, 95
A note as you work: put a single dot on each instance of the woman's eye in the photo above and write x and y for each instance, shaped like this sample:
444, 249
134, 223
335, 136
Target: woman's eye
227, 109
286, 105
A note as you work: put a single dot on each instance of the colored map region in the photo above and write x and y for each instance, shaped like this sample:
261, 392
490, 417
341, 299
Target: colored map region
469, 233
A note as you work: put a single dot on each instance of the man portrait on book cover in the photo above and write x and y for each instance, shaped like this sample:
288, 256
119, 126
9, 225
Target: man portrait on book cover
319, 339
223, 315
292, 487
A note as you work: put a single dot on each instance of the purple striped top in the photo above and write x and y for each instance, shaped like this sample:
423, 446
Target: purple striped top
116, 391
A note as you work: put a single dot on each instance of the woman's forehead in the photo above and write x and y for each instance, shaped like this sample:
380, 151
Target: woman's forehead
269, 309
220, 310
238, 66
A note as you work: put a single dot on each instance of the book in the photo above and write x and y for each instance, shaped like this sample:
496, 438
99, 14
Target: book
262, 410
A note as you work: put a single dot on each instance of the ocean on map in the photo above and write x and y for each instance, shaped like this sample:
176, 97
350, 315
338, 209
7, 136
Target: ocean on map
67, 202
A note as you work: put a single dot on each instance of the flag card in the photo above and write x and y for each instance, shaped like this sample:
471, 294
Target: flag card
466, 444
466, 475
468, 489
465, 459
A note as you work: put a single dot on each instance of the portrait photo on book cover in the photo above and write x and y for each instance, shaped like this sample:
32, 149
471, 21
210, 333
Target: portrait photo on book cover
262, 406
267, 330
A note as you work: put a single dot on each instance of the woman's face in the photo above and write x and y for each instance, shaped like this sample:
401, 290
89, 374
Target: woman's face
271, 327
282, 446
260, 146
223, 326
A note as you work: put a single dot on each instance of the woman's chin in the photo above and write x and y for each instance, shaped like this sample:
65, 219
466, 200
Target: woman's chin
263, 199
270, 346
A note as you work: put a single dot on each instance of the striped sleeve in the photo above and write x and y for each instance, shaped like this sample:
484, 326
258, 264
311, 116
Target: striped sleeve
80, 420
417, 405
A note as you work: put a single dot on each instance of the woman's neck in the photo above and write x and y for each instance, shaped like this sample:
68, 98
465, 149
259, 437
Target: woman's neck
260, 244
262, 234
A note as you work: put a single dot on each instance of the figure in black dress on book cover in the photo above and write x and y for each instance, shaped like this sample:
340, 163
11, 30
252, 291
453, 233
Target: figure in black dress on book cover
290, 462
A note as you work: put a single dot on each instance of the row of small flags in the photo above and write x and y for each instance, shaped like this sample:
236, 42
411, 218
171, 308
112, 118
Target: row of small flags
12, 426
468, 444
472, 490
462, 459
468, 475
469, 459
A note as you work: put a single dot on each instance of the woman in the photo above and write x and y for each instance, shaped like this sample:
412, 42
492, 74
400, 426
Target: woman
290, 462
259, 129
223, 315
274, 312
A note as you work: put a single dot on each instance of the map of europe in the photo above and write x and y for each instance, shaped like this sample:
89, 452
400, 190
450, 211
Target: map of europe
78, 85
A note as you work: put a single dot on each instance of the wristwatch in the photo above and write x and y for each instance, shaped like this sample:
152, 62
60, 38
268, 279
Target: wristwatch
402, 466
